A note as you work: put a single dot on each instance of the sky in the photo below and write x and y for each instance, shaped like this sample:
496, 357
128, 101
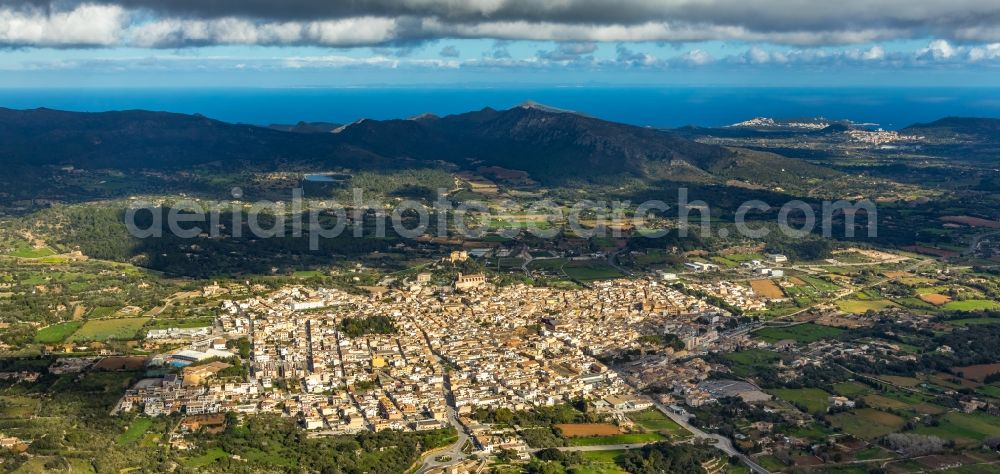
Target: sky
366, 43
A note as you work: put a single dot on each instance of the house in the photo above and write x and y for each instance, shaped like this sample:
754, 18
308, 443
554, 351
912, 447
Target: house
777, 258
666, 276
838, 401
701, 266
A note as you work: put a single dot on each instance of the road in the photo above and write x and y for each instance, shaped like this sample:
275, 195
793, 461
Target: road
723, 443
979, 238
603, 447
453, 453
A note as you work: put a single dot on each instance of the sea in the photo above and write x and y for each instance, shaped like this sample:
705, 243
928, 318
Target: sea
667, 107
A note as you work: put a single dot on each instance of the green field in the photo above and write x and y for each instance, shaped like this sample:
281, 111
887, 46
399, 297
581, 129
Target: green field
101, 312
746, 363
971, 305
600, 462
628, 438
966, 429
17, 407
105, 329
863, 306
551, 264
653, 419
135, 431
23, 250
803, 333
867, 423
307, 274
879, 401
591, 270
770, 463
57, 332
819, 283
873, 452
813, 399
973, 321
210, 456
850, 389
813, 431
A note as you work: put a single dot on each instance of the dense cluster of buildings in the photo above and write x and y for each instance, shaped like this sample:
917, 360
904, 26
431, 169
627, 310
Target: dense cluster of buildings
734, 294
879, 137
484, 346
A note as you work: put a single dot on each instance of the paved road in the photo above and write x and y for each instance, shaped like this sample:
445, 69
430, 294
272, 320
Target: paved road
723, 443
454, 452
979, 238
603, 447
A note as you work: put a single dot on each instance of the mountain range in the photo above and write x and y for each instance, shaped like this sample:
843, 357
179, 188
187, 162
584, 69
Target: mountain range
552, 145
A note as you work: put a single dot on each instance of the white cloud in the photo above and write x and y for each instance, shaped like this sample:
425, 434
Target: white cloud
85, 25
874, 54
173, 32
985, 52
696, 57
937, 49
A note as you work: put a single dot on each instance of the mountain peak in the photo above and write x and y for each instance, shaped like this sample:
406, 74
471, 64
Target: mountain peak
425, 116
530, 104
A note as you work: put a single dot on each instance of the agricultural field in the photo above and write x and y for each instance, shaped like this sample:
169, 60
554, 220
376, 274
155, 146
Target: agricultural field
973, 321
591, 270
627, 438
936, 299
813, 400
885, 403
57, 333
966, 429
18, 407
747, 363
604, 462
653, 419
850, 389
22, 249
579, 430
106, 329
977, 372
802, 333
867, 423
203, 460
971, 305
135, 430
819, 283
900, 380
547, 264
864, 306
767, 289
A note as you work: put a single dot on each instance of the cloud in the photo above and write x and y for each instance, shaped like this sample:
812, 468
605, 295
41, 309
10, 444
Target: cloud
85, 25
569, 52
449, 51
938, 49
696, 57
626, 56
985, 52
178, 23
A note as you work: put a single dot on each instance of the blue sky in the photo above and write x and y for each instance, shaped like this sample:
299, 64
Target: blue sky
312, 43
